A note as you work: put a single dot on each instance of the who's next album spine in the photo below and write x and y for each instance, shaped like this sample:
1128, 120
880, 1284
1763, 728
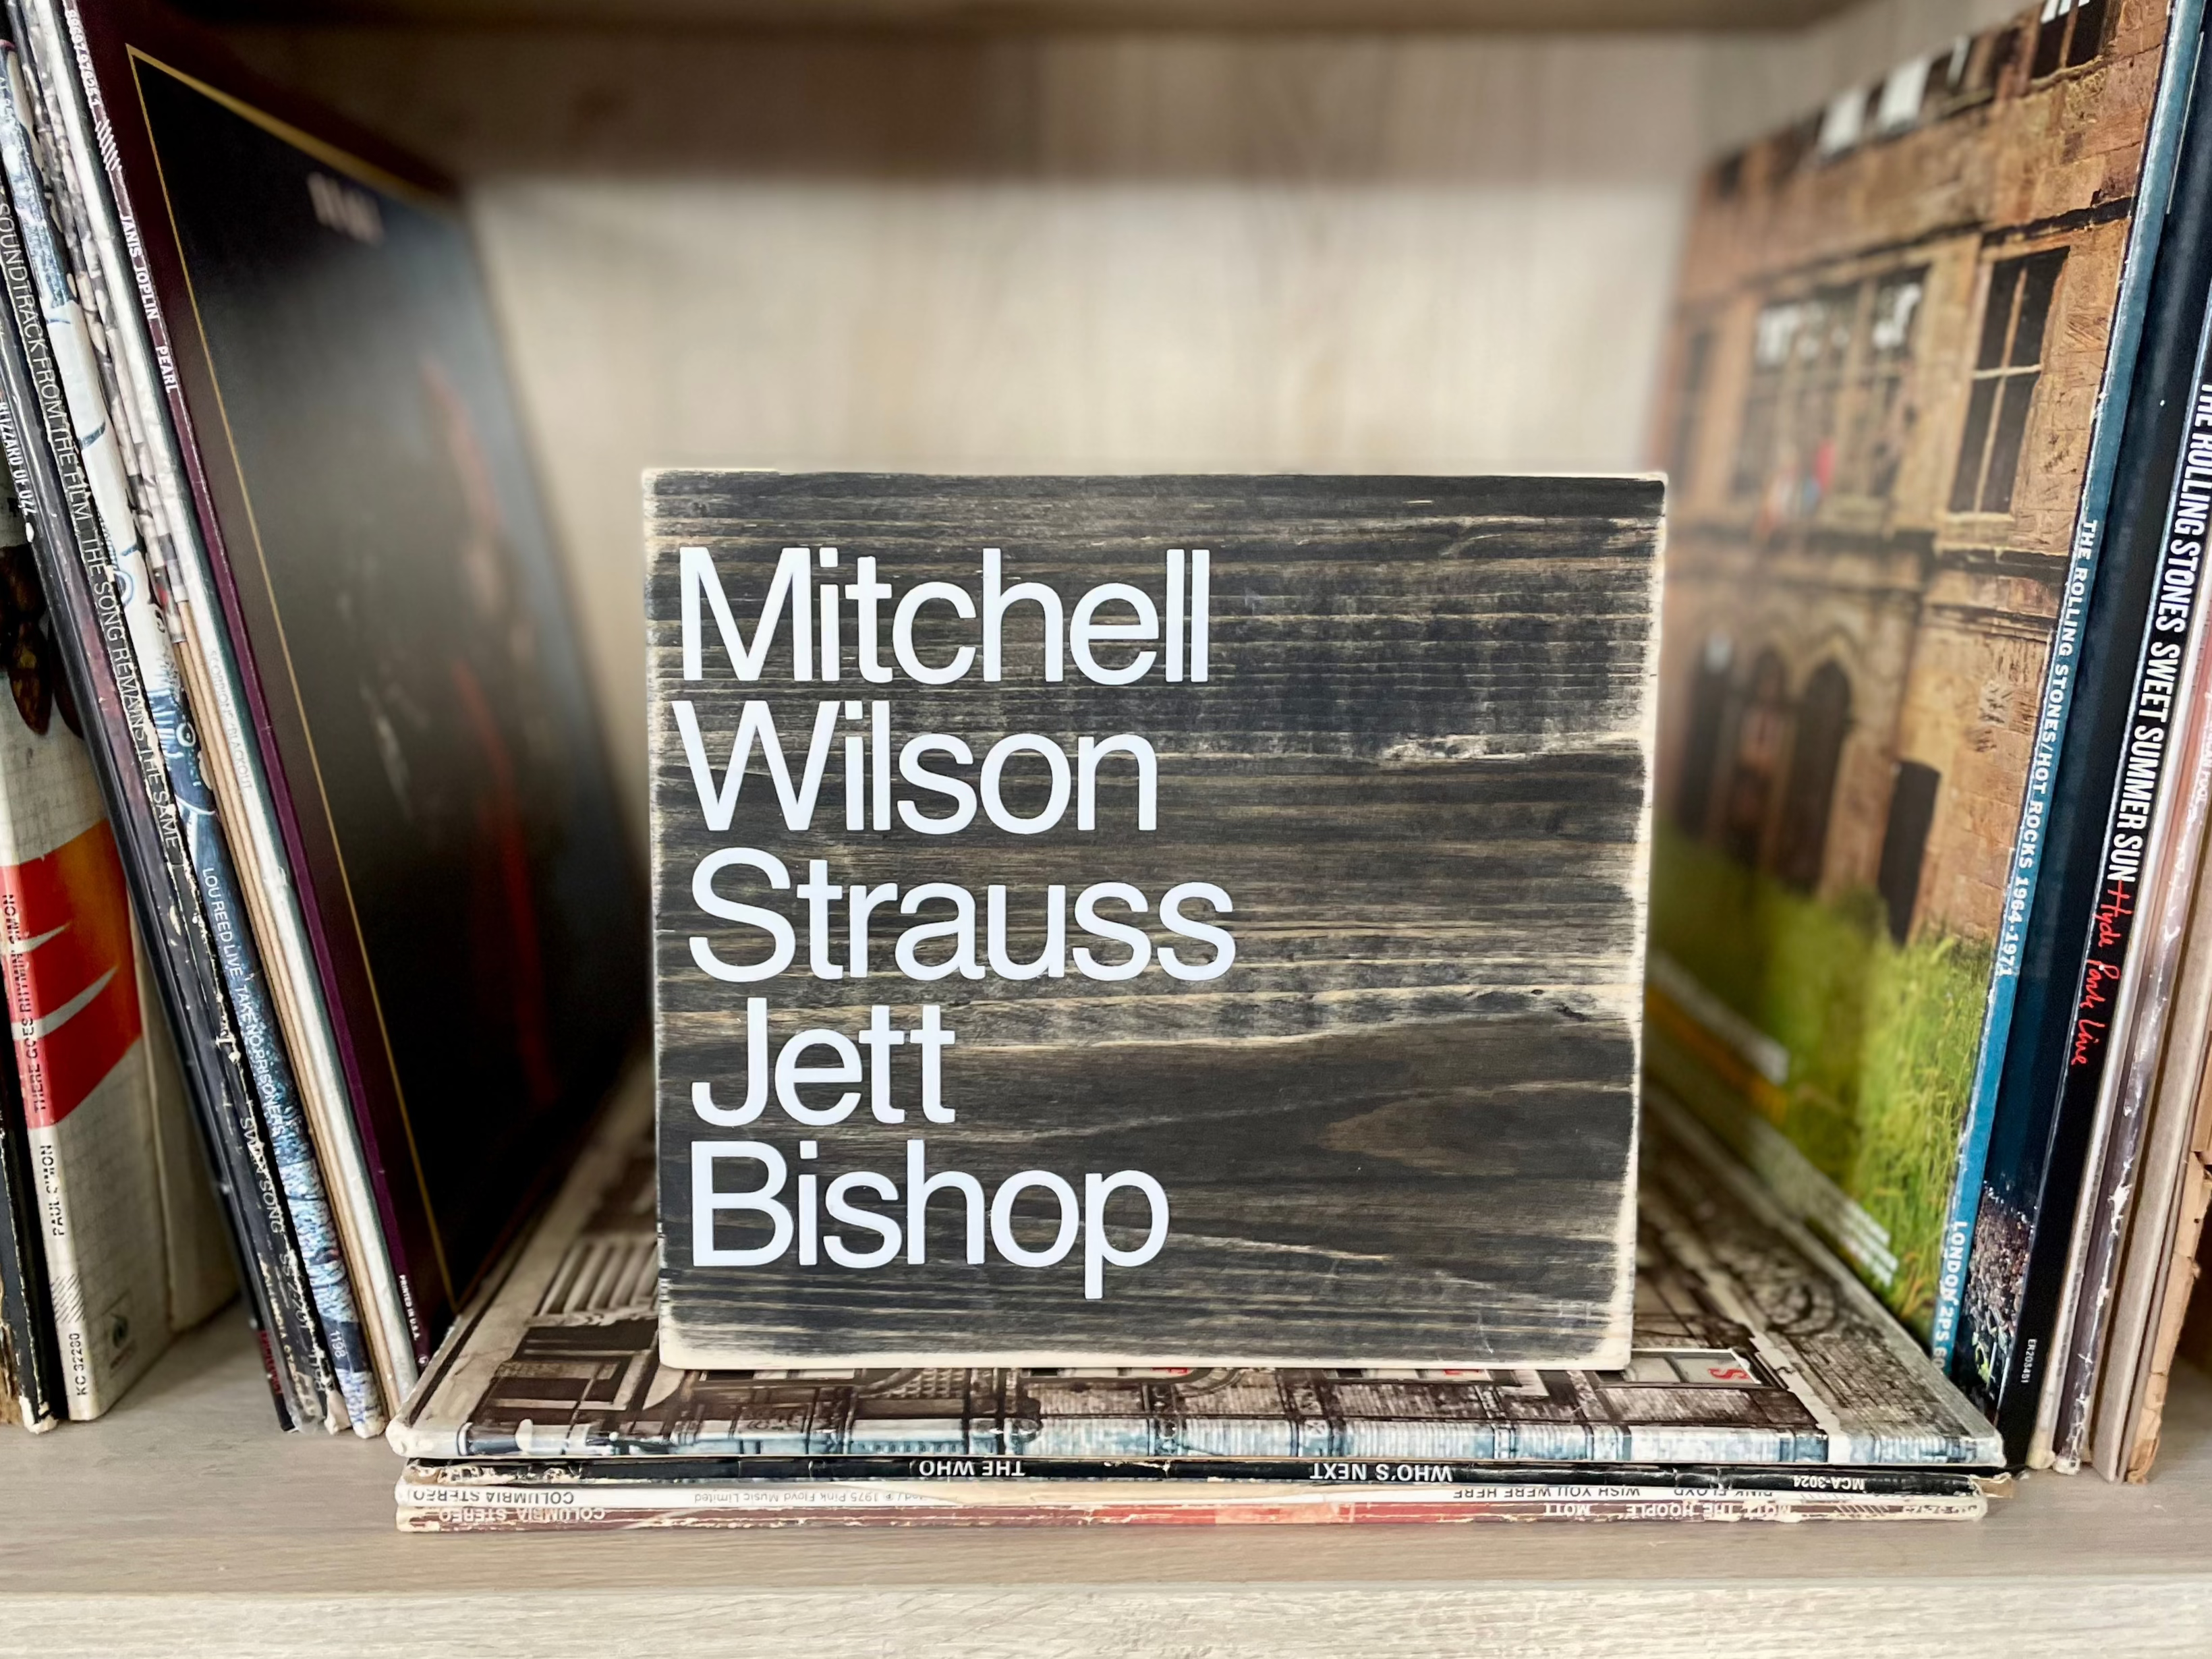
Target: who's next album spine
48, 472
676, 1471
2161, 151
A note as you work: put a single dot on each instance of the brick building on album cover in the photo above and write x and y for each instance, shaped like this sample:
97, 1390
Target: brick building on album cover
1890, 340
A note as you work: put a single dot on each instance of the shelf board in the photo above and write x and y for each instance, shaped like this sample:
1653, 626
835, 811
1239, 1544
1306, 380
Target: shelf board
1181, 15
185, 1523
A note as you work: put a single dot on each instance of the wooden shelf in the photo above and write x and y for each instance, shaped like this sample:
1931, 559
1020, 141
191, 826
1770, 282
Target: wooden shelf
996, 15
185, 1523
972, 253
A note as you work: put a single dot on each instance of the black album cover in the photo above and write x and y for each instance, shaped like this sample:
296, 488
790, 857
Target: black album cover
1160, 920
390, 590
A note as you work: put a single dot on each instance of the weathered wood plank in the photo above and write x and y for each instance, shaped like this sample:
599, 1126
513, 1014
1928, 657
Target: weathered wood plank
1397, 1129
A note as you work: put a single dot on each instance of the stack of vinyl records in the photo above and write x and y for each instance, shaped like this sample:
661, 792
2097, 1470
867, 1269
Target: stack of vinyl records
1765, 1383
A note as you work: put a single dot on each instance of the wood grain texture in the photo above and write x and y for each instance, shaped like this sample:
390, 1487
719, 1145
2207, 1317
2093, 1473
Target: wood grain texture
1397, 1129
1580, 1621
182, 1524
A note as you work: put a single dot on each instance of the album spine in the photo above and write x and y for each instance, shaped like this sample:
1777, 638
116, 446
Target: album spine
72, 1227
676, 1473
32, 1361
1065, 1441
2141, 1422
2024, 880
1341, 1511
72, 561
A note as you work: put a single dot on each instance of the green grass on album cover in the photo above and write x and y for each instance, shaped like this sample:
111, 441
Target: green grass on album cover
1881, 1037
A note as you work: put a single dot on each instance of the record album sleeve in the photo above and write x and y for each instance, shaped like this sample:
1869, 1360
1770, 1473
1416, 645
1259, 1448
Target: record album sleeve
396, 623
1905, 335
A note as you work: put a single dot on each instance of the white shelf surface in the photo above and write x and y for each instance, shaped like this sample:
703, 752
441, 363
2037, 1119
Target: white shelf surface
185, 1523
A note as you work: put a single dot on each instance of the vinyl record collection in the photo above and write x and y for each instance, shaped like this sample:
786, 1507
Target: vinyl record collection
1927, 893
328, 963
282, 603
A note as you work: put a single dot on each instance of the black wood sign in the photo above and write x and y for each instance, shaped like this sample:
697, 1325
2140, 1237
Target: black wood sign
1153, 920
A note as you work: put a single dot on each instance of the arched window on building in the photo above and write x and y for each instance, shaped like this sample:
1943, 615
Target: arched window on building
1905, 843
1760, 733
1824, 719
1701, 744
